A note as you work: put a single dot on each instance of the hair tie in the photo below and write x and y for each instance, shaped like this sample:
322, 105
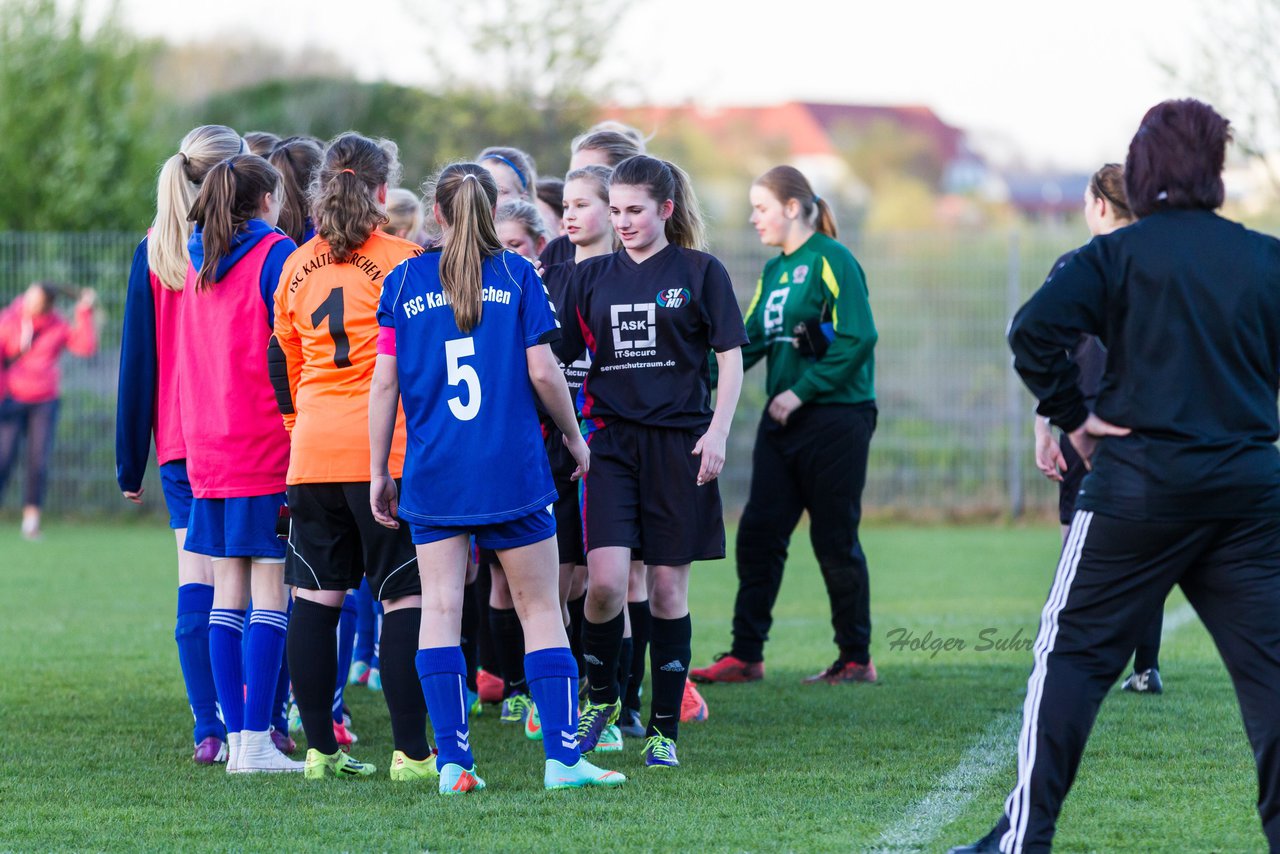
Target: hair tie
185, 160
524, 184
816, 198
347, 172
230, 164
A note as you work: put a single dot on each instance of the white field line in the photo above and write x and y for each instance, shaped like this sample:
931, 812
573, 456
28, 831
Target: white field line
984, 758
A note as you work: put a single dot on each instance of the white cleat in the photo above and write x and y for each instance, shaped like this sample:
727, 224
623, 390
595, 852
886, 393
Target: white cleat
258, 755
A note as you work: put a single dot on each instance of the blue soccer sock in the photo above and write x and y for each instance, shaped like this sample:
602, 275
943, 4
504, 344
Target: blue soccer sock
267, 630
366, 624
442, 672
226, 629
192, 635
346, 647
280, 703
553, 682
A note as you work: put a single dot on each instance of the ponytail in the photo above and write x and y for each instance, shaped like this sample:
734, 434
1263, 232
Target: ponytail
664, 180
230, 196
344, 198
180, 179
296, 159
466, 194
787, 183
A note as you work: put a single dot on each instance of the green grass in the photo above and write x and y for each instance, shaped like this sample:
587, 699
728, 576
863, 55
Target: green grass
95, 753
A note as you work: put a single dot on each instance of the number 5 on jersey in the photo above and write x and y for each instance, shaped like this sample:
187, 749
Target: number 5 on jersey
454, 352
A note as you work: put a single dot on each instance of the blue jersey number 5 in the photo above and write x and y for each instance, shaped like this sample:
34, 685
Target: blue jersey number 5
454, 352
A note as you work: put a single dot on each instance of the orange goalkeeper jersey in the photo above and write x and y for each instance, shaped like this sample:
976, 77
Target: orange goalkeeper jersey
327, 328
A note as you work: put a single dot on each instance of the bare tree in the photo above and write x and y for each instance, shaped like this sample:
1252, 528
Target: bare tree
1236, 65
548, 50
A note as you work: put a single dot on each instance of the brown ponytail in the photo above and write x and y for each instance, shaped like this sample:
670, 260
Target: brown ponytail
344, 198
664, 180
466, 194
787, 183
296, 159
176, 190
1108, 183
230, 196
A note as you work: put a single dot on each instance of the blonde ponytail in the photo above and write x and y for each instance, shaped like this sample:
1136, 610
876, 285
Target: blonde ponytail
466, 194
176, 190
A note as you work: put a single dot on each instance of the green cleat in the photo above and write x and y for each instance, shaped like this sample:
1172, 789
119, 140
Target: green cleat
339, 764
533, 724
456, 780
610, 740
406, 770
561, 776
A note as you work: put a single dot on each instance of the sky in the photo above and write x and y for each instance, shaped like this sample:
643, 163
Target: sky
1062, 84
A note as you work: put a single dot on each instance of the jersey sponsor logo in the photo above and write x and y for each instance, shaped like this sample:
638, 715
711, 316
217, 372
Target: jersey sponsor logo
634, 327
773, 307
674, 297
799, 274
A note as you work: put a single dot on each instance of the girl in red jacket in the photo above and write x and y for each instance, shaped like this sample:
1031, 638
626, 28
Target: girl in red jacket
32, 337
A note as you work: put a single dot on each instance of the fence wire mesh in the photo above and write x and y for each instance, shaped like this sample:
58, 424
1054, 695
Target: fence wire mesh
954, 434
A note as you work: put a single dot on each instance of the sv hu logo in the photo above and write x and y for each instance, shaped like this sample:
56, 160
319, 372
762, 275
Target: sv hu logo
674, 297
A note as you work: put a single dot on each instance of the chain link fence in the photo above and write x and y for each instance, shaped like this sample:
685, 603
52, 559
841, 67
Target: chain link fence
954, 434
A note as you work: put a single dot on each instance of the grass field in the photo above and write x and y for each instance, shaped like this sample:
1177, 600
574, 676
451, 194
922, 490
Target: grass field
95, 752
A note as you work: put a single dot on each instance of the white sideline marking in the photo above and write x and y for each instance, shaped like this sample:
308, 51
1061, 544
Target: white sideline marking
926, 817
986, 756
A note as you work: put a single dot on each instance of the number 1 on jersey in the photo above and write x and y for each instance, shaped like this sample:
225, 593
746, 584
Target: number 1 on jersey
454, 352
332, 308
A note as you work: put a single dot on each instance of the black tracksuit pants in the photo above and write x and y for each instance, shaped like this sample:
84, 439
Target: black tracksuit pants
817, 462
1112, 576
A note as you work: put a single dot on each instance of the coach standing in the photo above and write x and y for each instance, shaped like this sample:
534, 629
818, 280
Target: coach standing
1185, 476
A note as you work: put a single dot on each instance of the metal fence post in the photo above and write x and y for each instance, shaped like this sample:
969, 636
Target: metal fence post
1014, 418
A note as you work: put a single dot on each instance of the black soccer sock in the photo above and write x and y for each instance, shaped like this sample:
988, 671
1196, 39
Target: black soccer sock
601, 643
624, 667
641, 627
486, 643
312, 647
576, 620
670, 648
470, 627
509, 637
400, 683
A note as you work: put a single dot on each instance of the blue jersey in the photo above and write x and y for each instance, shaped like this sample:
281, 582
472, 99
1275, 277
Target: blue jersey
474, 451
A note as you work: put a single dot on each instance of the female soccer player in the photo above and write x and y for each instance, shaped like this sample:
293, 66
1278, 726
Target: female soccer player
549, 201
237, 448
605, 144
520, 228
649, 313
464, 345
147, 404
404, 216
1184, 476
811, 448
325, 332
296, 158
1106, 209
32, 337
512, 170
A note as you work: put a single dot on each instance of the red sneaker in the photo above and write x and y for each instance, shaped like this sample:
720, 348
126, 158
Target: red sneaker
692, 706
344, 737
729, 669
844, 671
488, 686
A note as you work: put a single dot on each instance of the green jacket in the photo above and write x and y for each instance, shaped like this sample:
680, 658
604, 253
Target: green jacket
823, 280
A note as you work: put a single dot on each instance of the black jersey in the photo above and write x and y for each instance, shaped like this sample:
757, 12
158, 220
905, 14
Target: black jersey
1188, 306
557, 251
648, 327
557, 280
1089, 353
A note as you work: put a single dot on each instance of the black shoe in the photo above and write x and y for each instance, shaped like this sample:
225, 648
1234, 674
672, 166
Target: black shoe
989, 844
1145, 682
